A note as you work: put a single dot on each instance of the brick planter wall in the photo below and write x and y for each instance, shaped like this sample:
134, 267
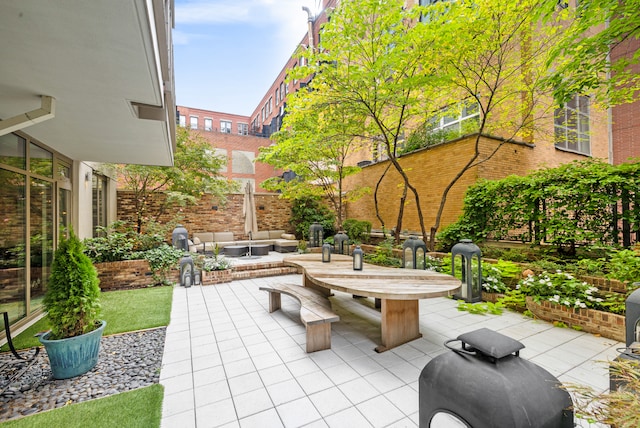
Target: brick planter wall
605, 324
127, 274
216, 276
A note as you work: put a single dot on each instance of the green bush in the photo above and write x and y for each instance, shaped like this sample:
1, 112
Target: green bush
161, 260
73, 292
624, 265
306, 211
564, 289
383, 255
357, 230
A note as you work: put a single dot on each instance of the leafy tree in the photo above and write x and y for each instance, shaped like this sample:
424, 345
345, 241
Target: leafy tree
582, 62
196, 171
314, 144
370, 64
495, 55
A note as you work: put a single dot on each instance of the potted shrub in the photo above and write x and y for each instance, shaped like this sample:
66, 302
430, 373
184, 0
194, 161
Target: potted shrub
72, 303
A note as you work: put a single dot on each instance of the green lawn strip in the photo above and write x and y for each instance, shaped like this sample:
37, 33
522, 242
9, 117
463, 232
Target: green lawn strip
138, 408
124, 310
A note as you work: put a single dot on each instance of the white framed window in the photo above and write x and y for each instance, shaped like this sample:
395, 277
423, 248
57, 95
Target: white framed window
457, 118
571, 126
277, 96
243, 129
183, 120
193, 122
208, 124
225, 126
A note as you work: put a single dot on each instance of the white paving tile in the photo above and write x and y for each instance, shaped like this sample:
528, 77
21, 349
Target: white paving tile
228, 362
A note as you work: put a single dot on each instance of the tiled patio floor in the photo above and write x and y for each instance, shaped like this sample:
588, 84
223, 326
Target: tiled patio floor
228, 362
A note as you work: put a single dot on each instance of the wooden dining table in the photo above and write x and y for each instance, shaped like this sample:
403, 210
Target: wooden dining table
399, 290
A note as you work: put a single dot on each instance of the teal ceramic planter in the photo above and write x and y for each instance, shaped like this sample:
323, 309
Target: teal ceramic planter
75, 355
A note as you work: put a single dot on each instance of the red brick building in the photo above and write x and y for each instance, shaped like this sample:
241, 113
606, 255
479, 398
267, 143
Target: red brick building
230, 135
625, 118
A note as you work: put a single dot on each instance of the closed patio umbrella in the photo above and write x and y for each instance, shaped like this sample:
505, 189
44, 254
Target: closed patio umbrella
249, 212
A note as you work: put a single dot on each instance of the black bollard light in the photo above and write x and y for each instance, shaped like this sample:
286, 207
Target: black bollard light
358, 258
341, 242
471, 290
414, 253
326, 252
315, 234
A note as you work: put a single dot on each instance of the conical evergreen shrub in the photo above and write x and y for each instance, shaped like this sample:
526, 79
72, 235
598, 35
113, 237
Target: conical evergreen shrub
72, 298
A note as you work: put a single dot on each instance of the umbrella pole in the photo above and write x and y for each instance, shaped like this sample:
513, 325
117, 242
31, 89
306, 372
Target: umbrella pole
250, 238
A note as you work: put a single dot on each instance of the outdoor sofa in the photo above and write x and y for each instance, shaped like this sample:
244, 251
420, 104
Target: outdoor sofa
278, 240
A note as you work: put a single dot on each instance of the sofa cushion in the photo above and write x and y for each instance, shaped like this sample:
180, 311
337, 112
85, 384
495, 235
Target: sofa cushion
222, 236
275, 234
197, 240
261, 235
203, 236
289, 236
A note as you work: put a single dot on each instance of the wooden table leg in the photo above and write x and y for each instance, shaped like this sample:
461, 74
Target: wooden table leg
400, 323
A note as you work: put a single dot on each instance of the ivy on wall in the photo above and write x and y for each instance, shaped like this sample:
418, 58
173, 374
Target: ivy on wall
580, 203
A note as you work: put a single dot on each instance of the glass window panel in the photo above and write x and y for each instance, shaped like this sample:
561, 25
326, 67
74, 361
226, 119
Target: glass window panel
99, 185
40, 161
12, 150
41, 239
13, 245
64, 212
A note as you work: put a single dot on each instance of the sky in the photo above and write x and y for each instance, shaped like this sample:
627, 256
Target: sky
227, 53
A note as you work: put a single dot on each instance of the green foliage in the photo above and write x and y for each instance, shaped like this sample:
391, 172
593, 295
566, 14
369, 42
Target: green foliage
565, 206
119, 241
618, 408
582, 61
306, 211
624, 265
383, 255
452, 234
73, 292
123, 310
196, 171
564, 289
161, 260
217, 262
481, 308
357, 230
140, 408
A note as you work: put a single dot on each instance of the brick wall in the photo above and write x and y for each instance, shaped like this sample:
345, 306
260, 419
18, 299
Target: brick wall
430, 170
605, 324
625, 128
209, 215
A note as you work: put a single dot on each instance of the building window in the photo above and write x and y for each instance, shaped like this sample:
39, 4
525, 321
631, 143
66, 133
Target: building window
277, 96
225, 126
99, 193
193, 121
183, 121
571, 126
461, 119
208, 124
243, 129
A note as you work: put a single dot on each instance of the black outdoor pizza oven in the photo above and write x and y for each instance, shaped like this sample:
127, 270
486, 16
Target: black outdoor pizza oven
485, 383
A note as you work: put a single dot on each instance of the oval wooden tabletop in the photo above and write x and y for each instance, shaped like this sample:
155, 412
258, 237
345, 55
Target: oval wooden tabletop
373, 281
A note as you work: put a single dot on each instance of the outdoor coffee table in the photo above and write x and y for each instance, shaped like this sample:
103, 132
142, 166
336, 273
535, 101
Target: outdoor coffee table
260, 249
398, 289
236, 250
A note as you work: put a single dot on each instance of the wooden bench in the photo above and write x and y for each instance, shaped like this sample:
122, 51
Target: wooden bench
315, 312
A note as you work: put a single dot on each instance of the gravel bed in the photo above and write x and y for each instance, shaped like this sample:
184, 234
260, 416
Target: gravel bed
127, 361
